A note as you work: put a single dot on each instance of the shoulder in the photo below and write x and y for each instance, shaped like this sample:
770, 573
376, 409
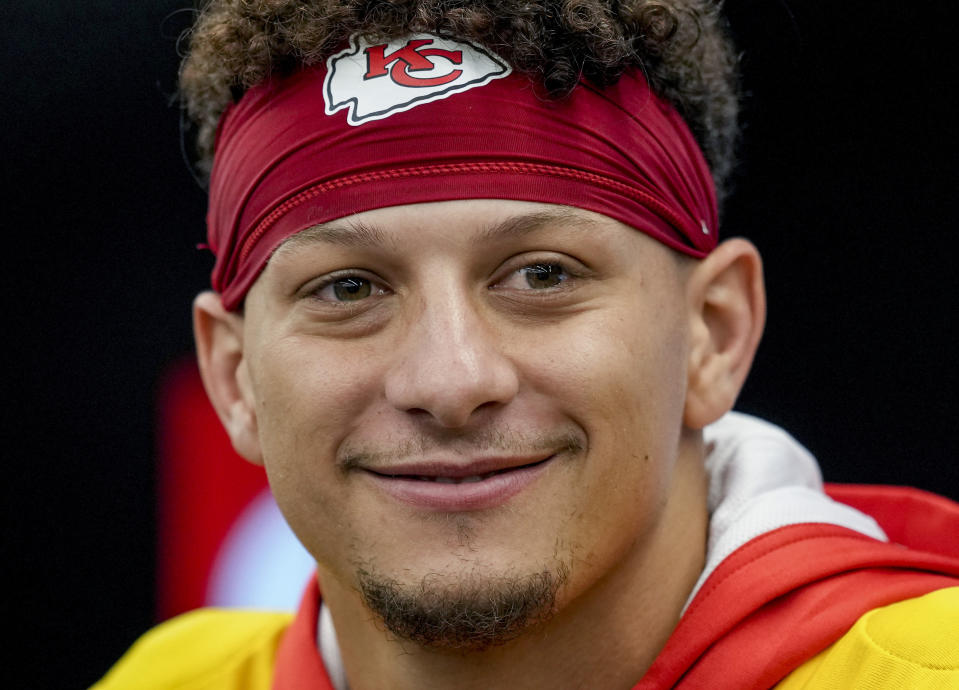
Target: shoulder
909, 644
201, 650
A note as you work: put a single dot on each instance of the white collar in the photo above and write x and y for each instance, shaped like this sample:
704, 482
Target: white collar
760, 479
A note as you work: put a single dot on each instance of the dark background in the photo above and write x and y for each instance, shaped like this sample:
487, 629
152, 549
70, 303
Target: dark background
848, 187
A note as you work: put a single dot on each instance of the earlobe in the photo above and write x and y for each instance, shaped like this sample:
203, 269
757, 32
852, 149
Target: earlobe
727, 308
219, 346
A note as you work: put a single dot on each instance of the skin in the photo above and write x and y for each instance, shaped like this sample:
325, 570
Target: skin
461, 350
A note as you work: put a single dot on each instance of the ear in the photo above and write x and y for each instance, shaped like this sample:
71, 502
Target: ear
727, 310
219, 348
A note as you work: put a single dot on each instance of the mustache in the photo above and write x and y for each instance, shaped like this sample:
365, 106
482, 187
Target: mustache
481, 442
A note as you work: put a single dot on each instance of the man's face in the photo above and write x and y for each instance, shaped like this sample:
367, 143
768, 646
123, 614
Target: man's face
454, 398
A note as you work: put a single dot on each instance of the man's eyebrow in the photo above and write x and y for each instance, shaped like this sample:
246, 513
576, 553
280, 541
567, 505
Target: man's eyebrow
518, 226
343, 233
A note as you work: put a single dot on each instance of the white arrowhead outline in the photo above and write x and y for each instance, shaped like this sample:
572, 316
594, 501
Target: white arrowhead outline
455, 87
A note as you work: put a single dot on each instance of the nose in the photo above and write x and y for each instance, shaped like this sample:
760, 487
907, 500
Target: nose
450, 364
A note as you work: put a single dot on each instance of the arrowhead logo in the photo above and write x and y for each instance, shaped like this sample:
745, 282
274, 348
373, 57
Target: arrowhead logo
374, 81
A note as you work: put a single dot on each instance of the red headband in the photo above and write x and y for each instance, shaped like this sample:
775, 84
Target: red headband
430, 119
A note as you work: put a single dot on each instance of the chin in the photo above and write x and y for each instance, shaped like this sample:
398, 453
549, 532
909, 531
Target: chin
470, 610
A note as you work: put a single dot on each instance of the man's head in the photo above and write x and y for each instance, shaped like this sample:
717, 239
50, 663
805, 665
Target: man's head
484, 412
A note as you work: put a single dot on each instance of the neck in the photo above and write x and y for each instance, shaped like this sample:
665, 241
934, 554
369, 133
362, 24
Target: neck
606, 636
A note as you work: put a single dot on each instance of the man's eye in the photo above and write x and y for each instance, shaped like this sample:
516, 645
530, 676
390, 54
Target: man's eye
542, 276
347, 289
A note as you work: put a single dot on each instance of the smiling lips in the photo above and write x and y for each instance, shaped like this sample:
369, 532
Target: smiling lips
478, 485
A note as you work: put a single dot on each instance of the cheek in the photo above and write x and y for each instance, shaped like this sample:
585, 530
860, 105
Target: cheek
622, 379
309, 389
308, 409
305, 407
618, 371
644, 399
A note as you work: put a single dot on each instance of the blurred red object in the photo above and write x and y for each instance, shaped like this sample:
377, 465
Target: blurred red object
202, 487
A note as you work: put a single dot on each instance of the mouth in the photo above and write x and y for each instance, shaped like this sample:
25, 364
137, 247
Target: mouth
448, 487
454, 475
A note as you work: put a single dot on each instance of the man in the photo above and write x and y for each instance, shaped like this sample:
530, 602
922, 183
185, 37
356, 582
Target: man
472, 315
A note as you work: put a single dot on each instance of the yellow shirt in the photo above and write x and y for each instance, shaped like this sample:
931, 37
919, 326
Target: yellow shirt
913, 645
206, 649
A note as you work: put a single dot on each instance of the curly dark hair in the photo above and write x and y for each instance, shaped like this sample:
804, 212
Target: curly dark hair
681, 46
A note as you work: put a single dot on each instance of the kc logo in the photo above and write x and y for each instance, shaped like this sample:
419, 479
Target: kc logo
375, 81
408, 59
